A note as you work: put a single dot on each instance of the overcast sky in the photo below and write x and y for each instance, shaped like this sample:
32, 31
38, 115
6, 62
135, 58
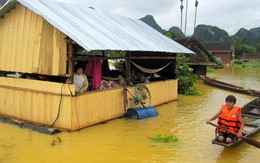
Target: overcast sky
230, 15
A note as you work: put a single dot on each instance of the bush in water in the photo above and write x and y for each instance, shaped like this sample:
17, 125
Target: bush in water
186, 83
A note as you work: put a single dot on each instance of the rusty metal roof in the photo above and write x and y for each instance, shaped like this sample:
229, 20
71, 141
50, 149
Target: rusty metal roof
96, 30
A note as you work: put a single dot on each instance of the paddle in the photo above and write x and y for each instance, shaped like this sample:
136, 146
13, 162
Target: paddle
250, 141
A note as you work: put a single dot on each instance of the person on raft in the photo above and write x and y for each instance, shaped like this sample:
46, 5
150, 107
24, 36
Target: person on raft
229, 117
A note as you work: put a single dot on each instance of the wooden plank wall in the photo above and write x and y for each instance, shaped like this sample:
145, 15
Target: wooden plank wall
36, 101
163, 91
29, 44
95, 107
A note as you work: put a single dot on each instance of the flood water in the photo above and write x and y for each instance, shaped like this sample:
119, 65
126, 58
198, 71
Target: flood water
126, 140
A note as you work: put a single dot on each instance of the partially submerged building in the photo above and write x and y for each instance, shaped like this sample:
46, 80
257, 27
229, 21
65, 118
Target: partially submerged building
201, 59
39, 37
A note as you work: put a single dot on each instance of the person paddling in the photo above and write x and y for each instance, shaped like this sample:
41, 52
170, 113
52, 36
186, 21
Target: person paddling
229, 117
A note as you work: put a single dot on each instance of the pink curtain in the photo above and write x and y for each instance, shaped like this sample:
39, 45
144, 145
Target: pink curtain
94, 69
97, 72
89, 68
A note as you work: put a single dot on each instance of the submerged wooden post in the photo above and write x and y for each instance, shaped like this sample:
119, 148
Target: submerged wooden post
71, 61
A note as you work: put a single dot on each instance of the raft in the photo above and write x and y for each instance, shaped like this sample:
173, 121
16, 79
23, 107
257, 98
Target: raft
37, 128
251, 116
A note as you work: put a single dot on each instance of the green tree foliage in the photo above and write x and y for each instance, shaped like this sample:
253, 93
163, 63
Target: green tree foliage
177, 30
208, 33
248, 37
172, 35
241, 47
119, 63
258, 48
186, 80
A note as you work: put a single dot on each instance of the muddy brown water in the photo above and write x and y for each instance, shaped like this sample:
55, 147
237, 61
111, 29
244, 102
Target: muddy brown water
126, 140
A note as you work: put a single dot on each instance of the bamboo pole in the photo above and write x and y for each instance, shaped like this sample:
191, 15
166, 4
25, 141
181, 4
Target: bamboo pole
181, 13
186, 16
195, 19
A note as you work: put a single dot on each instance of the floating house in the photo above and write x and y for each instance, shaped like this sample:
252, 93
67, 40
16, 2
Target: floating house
201, 59
223, 51
41, 38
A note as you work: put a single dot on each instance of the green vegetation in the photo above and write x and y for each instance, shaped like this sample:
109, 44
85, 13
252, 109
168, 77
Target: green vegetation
119, 63
210, 69
166, 138
172, 35
177, 31
207, 33
253, 63
187, 81
117, 54
258, 48
249, 39
241, 47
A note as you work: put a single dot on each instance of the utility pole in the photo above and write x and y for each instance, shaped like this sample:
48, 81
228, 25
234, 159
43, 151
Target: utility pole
187, 3
181, 13
195, 19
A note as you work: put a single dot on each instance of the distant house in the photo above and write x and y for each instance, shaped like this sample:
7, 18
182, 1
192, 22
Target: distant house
225, 51
201, 59
248, 57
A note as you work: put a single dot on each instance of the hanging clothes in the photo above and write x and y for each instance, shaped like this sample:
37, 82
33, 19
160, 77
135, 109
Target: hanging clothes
89, 68
94, 69
97, 72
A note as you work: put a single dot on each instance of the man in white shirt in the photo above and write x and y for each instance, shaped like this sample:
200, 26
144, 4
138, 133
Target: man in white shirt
81, 81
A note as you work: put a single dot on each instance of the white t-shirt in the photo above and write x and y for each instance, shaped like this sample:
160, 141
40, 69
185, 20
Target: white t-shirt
78, 81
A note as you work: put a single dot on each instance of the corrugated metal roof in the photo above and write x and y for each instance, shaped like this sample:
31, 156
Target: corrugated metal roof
96, 30
6, 7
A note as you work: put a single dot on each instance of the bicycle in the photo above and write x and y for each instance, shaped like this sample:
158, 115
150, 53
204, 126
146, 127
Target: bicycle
142, 95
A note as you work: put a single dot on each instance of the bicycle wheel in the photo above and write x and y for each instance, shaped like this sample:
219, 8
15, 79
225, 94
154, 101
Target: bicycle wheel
144, 95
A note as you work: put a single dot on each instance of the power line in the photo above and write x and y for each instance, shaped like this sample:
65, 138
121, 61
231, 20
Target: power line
245, 26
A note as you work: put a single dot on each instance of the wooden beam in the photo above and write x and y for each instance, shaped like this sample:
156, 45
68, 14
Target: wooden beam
250, 116
128, 67
86, 58
71, 62
37, 86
